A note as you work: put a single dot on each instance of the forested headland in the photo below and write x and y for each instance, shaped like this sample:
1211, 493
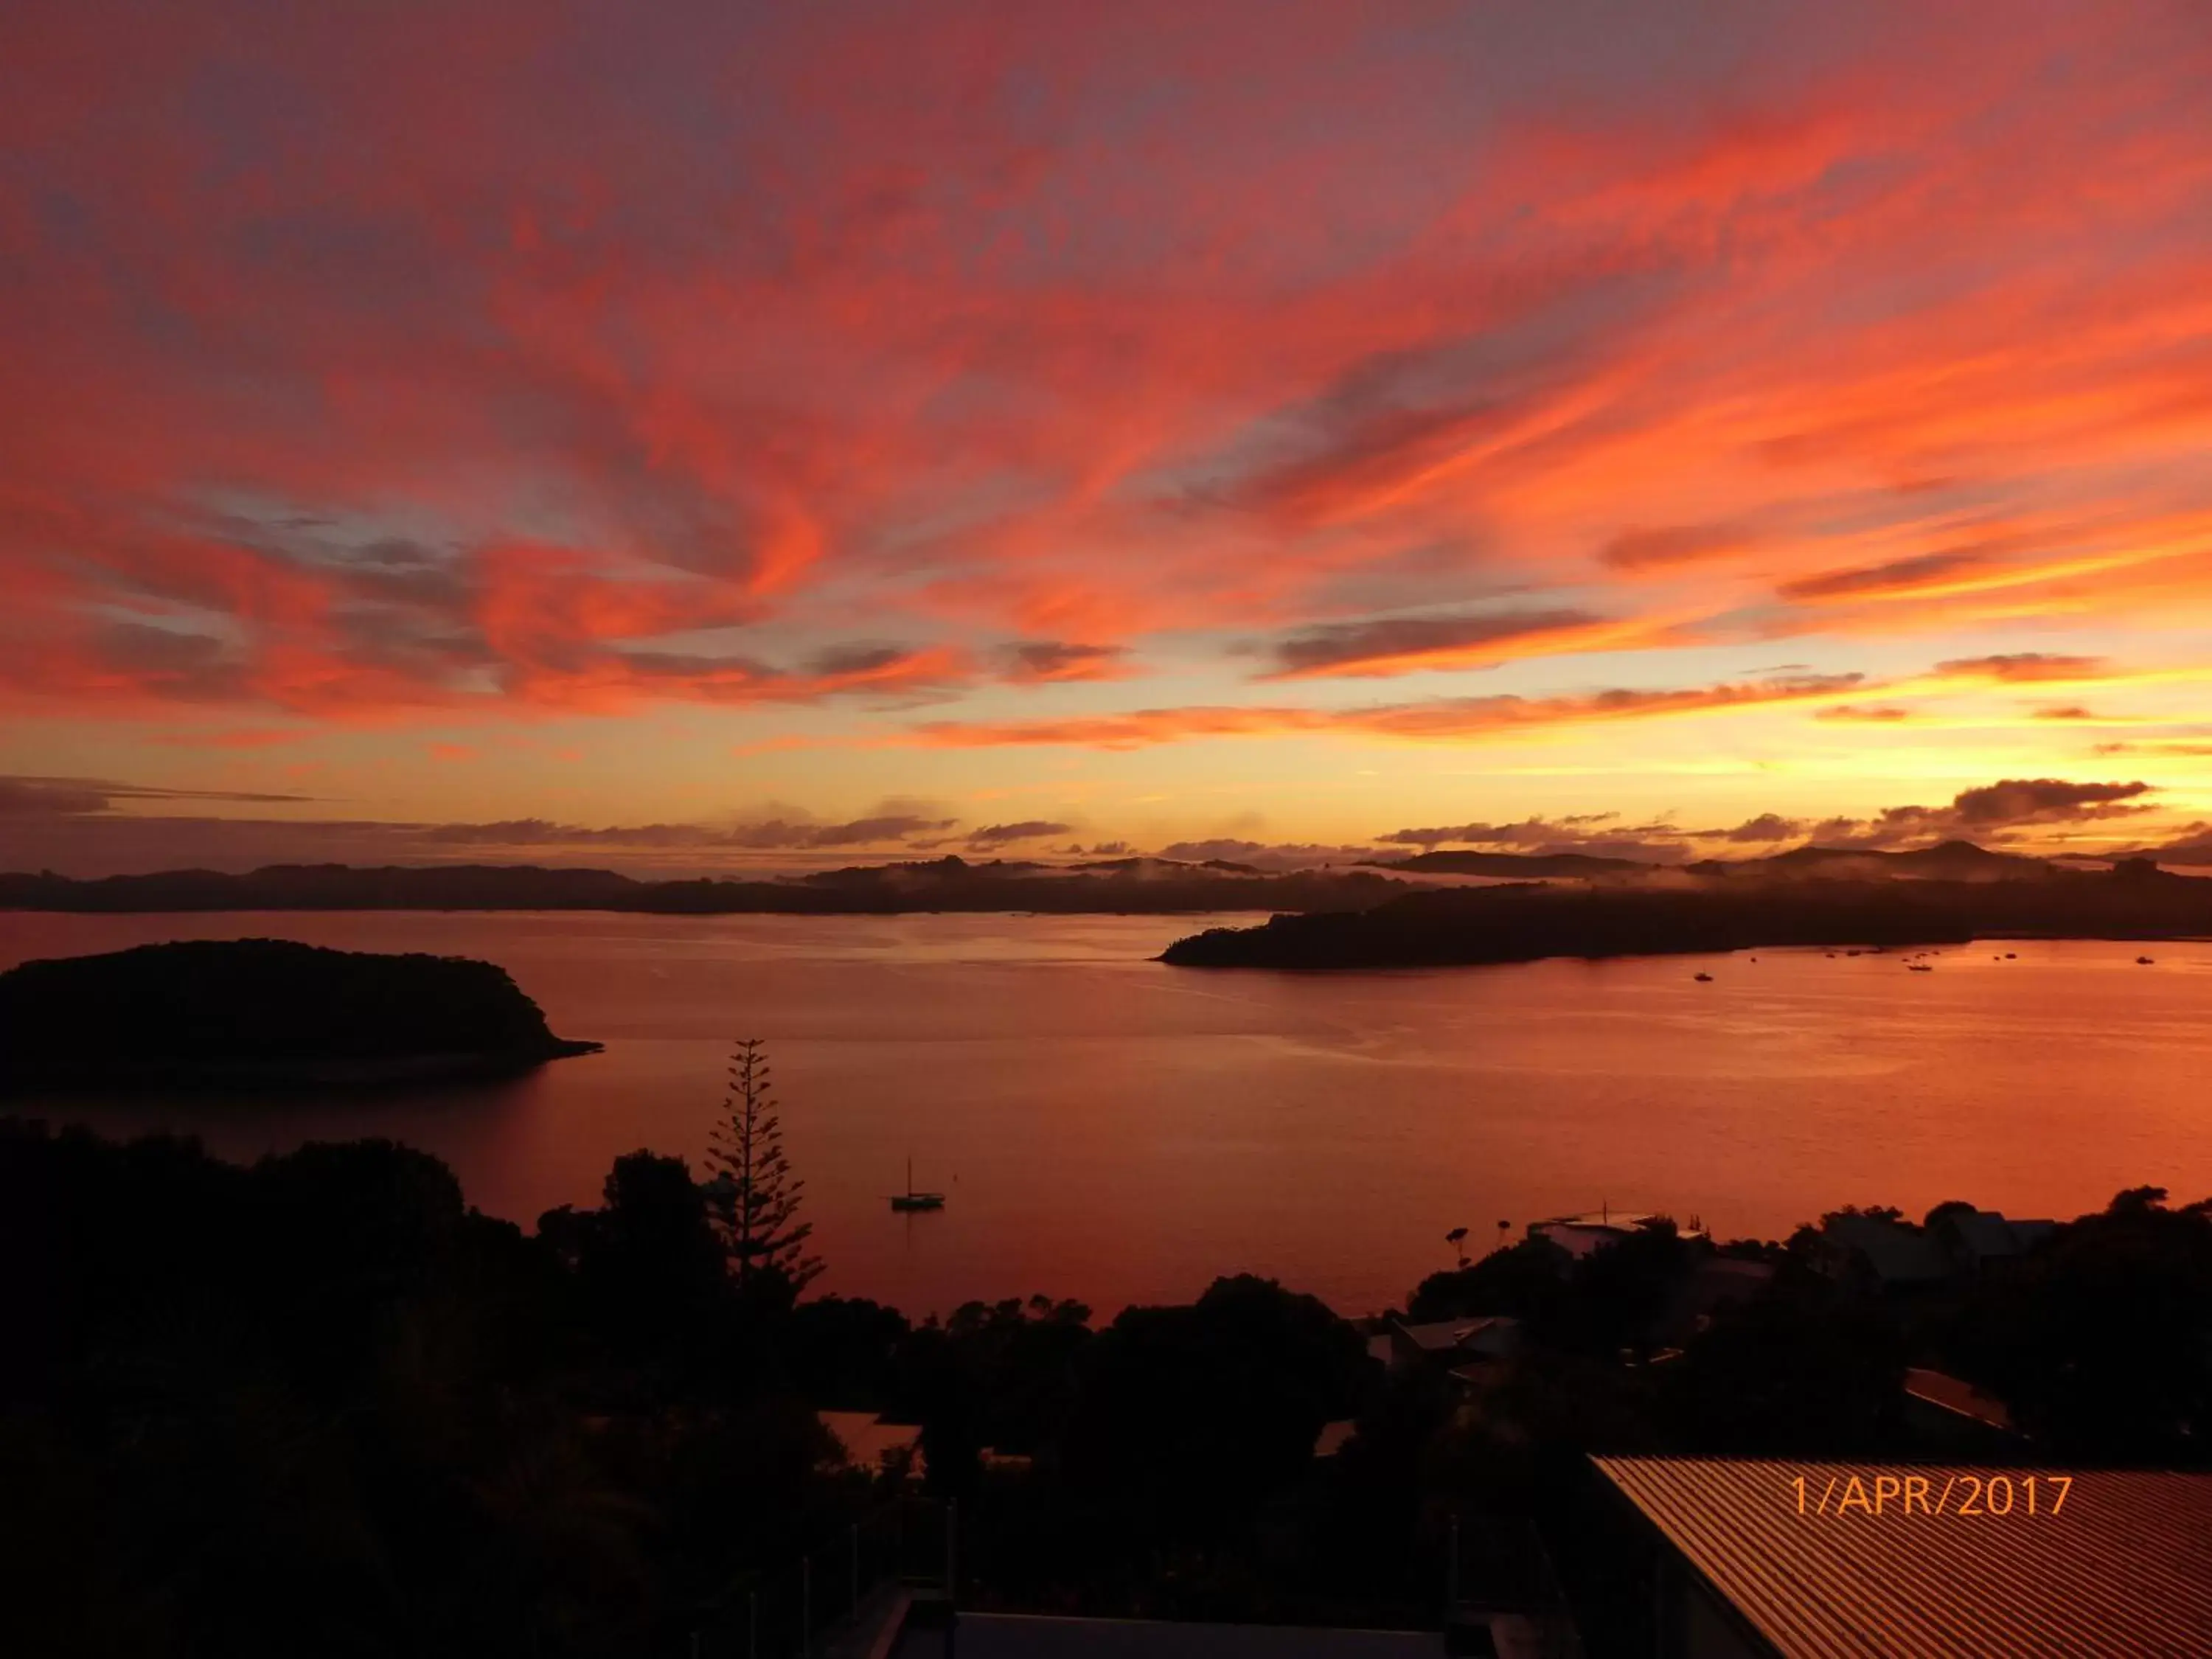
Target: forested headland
266, 1014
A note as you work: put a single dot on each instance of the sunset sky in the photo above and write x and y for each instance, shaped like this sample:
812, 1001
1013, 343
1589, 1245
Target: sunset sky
721, 434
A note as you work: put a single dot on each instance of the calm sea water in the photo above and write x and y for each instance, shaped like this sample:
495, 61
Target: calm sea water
1115, 1130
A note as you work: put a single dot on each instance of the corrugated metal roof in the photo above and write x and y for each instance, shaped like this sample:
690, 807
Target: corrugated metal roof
2123, 1569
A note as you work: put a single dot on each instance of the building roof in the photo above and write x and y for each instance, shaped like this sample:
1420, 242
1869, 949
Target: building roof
1620, 1220
1618, 1223
1712, 1284
1449, 1335
1580, 1234
1332, 1436
1951, 1394
1985, 1234
1989, 1235
2123, 1568
1898, 1254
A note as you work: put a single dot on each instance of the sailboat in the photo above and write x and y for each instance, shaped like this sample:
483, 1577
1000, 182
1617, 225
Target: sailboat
911, 1200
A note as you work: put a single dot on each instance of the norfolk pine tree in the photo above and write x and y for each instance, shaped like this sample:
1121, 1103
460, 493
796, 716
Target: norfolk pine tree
757, 1198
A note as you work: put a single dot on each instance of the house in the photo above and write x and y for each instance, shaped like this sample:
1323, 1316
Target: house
1722, 1558
1454, 1343
1980, 1241
1711, 1284
1579, 1235
1959, 1243
1876, 1253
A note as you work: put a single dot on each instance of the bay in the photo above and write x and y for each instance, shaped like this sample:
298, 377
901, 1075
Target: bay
1111, 1129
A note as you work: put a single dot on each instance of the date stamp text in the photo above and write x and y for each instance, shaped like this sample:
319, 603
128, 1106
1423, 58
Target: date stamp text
1968, 1496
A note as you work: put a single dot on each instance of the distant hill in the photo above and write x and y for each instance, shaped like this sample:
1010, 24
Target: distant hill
1137, 886
1143, 866
1950, 860
2196, 850
1740, 910
263, 1013
1960, 860
1526, 867
1132, 885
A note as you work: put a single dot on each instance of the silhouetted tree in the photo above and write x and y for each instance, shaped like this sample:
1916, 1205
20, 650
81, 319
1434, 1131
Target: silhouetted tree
756, 1194
1619, 1292
2101, 1339
648, 1263
1801, 1373
1947, 1210
1528, 1281
1188, 1420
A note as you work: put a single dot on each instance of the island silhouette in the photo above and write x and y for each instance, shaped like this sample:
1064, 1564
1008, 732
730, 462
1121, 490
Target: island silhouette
263, 1013
1945, 896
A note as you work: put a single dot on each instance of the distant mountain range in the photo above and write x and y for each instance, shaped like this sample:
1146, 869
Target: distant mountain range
1523, 866
2194, 852
1134, 886
1155, 886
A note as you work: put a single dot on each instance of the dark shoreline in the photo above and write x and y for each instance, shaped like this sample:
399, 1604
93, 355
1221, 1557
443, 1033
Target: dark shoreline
1482, 926
367, 1075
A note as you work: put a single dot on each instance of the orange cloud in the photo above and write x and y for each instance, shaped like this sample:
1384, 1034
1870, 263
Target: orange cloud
807, 357
1673, 545
1404, 645
1438, 720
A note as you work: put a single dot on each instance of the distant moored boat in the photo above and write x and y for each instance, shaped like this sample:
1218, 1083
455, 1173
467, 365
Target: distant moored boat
1705, 979
911, 1200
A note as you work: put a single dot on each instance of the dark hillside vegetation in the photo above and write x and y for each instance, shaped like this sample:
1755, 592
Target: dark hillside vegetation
320, 1405
1690, 914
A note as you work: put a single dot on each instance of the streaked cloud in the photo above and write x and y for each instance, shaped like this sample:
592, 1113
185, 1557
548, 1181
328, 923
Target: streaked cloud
1036, 661
1436, 719
72, 796
1099, 378
1397, 645
1667, 547
1002, 834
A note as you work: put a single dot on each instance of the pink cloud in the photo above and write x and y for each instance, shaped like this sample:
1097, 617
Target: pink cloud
803, 356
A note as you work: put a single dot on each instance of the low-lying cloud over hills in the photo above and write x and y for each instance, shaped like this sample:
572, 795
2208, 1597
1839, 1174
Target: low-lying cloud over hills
89, 826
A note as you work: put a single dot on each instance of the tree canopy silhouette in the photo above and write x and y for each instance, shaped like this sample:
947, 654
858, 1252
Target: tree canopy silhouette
755, 1194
